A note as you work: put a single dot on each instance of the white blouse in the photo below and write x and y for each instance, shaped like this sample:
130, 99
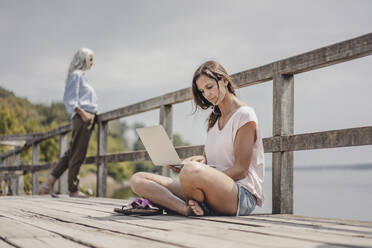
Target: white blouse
219, 150
78, 93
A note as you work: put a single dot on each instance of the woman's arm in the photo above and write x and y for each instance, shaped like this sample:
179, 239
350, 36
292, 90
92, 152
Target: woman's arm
243, 147
71, 94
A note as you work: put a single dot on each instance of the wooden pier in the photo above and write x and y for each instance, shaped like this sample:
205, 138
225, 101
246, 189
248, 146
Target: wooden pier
42, 221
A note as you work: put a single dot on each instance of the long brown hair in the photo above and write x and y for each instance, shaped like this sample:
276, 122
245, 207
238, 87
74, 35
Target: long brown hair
215, 71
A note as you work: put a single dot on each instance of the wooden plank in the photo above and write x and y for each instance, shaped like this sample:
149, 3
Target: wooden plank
342, 226
340, 222
35, 160
102, 140
62, 181
282, 162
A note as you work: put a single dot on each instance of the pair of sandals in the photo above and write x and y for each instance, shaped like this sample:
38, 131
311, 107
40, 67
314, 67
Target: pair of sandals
140, 206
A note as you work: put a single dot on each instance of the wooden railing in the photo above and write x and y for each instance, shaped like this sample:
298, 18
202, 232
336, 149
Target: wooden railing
281, 145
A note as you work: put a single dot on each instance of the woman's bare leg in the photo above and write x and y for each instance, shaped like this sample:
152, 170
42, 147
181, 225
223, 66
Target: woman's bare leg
160, 190
200, 182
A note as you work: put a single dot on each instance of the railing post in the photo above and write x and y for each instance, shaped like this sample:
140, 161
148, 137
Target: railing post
282, 162
101, 161
2, 185
35, 161
166, 120
5, 186
18, 185
62, 182
12, 178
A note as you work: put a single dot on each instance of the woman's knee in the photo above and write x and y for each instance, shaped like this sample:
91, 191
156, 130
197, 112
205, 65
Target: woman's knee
137, 179
190, 171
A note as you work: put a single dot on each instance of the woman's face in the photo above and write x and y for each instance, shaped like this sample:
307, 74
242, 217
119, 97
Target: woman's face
90, 61
208, 87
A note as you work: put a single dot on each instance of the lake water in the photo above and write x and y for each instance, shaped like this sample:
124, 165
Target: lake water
332, 192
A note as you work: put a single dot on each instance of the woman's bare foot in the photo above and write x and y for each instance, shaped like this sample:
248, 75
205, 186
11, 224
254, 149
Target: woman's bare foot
44, 189
197, 210
48, 187
78, 194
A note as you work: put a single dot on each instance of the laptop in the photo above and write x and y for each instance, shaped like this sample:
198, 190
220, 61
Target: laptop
159, 146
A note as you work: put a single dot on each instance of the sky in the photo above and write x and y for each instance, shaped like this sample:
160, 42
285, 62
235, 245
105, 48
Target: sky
145, 49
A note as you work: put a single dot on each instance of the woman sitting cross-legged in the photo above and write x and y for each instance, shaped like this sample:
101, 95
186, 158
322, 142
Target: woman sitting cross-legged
228, 178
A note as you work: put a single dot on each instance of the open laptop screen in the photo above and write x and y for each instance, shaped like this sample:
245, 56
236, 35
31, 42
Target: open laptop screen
159, 146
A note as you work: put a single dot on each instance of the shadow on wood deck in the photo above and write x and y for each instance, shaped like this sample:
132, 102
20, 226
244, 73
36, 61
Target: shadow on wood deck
41, 221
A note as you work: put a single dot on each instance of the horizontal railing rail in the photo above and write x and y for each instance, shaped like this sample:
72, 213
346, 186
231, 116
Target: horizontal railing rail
299, 142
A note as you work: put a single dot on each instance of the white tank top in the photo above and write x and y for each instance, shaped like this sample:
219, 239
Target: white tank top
219, 150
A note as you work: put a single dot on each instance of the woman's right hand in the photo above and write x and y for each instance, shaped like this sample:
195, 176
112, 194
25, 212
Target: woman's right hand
200, 159
86, 117
174, 168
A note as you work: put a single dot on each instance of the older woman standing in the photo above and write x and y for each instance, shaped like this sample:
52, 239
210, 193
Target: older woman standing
81, 101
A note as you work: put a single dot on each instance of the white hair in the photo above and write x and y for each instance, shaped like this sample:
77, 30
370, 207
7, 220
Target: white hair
80, 60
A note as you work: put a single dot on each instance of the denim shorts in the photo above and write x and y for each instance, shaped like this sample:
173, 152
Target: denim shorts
246, 201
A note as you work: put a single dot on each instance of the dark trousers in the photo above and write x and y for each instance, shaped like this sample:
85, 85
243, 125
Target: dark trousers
75, 155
